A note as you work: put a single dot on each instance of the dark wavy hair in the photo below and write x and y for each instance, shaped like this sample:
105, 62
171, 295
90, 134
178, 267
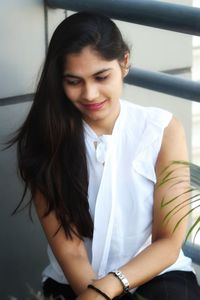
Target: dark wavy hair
50, 144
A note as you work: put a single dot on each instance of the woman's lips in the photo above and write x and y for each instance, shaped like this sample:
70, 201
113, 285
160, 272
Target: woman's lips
94, 106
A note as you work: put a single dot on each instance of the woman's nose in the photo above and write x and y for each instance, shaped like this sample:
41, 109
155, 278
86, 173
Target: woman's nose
90, 92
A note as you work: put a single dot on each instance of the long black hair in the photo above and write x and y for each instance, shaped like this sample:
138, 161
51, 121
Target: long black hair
50, 143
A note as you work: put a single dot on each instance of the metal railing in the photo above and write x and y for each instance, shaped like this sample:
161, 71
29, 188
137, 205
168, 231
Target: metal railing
16, 99
174, 17
164, 83
193, 251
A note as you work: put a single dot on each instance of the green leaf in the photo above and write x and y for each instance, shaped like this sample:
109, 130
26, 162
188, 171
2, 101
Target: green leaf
169, 177
192, 228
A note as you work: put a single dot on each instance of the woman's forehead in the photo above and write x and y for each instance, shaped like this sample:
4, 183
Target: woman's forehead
87, 61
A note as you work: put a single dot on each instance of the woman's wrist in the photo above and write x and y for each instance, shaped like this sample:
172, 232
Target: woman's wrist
123, 280
110, 285
100, 292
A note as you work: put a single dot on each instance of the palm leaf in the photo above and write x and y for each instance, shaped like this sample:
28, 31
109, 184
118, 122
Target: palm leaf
197, 222
169, 177
172, 212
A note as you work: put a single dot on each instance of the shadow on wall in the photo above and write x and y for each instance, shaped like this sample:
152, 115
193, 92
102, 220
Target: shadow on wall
23, 245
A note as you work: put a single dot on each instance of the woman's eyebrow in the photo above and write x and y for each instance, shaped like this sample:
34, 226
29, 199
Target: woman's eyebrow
78, 77
102, 71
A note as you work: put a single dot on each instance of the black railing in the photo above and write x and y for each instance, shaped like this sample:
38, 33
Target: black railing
164, 83
16, 99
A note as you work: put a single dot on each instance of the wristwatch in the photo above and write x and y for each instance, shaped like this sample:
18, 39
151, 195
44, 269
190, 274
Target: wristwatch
122, 278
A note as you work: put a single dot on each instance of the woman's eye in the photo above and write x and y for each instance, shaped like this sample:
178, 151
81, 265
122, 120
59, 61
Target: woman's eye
101, 78
72, 81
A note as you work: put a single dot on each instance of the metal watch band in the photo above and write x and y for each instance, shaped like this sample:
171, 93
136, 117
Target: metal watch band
123, 280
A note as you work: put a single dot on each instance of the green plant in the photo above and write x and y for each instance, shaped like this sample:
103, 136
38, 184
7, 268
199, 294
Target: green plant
191, 193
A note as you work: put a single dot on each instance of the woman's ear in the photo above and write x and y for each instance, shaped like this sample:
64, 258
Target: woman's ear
125, 64
126, 59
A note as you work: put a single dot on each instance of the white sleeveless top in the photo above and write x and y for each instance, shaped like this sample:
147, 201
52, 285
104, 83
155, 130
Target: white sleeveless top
122, 176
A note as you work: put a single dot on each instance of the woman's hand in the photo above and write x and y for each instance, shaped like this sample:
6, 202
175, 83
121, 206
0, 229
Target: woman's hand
108, 284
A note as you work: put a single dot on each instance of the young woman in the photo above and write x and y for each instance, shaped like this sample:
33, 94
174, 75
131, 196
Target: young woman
91, 162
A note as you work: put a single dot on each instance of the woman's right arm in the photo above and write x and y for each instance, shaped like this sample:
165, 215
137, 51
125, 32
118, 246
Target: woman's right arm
70, 253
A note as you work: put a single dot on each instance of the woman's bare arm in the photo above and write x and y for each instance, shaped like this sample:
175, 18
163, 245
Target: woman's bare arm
70, 254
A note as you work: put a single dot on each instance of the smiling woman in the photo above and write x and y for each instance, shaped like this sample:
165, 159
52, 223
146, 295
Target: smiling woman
94, 88
91, 162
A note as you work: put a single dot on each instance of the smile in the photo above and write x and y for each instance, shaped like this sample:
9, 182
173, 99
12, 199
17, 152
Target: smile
94, 106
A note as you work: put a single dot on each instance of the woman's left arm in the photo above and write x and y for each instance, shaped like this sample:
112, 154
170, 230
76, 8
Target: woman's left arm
166, 243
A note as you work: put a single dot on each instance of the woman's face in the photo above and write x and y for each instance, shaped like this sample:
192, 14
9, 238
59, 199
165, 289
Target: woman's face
94, 86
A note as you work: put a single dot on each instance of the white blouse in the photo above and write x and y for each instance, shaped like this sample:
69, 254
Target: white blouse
122, 176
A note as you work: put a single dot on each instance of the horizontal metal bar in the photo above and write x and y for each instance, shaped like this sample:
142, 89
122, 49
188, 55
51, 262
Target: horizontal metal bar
193, 251
163, 15
164, 83
177, 71
16, 99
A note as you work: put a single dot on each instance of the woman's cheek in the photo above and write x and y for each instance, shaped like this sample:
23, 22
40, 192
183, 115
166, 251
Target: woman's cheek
68, 93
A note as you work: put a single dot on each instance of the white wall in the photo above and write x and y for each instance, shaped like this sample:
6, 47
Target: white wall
22, 45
